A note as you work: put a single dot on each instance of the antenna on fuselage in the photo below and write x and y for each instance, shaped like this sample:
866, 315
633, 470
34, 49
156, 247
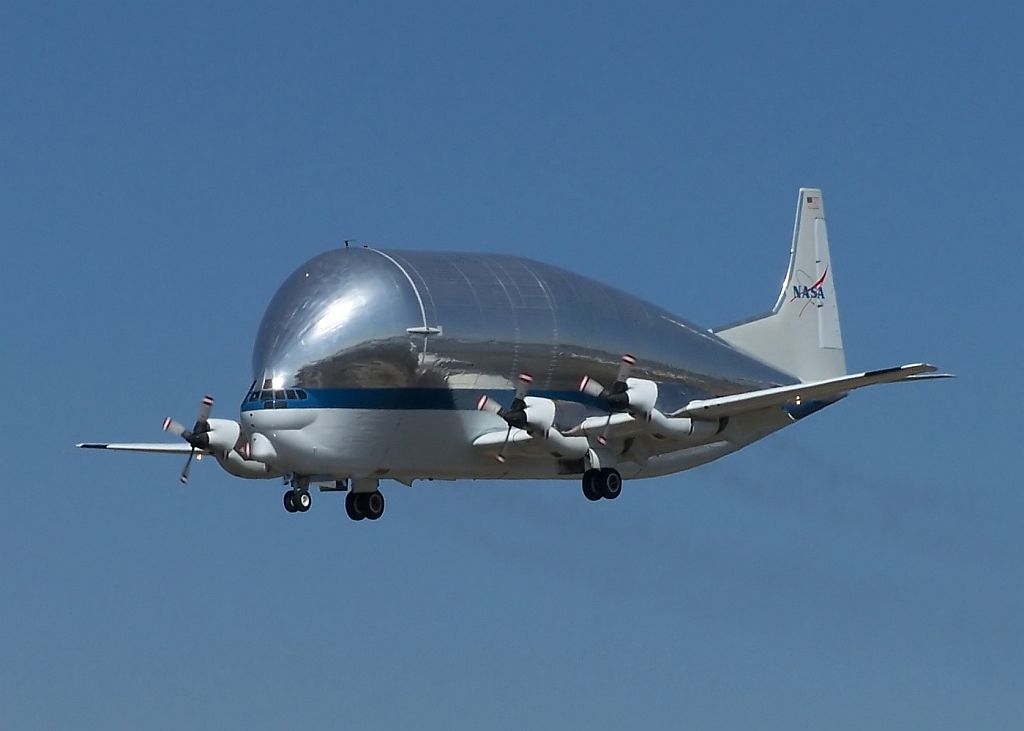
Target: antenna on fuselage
350, 241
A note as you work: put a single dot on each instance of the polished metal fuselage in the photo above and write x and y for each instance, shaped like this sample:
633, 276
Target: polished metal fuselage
363, 318
422, 334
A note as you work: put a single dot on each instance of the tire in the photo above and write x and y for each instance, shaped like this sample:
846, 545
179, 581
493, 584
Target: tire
352, 508
303, 501
289, 501
609, 483
590, 488
371, 505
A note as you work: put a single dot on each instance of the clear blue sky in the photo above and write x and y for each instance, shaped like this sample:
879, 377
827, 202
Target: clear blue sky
164, 166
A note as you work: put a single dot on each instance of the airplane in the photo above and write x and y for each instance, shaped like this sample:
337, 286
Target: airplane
373, 365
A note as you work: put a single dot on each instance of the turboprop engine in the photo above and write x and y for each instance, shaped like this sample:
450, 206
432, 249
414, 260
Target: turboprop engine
223, 439
535, 416
637, 397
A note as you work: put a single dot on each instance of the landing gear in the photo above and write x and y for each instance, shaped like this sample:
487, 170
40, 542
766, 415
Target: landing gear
297, 501
351, 508
603, 483
609, 483
369, 505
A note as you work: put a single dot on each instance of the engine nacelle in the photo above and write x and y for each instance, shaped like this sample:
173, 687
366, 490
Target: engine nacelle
641, 395
540, 423
235, 464
540, 413
222, 436
681, 428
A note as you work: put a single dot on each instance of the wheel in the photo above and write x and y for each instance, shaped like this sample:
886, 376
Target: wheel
303, 500
371, 504
352, 507
590, 491
289, 501
609, 483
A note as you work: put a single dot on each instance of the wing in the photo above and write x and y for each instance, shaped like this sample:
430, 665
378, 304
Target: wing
830, 389
614, 426
155, 448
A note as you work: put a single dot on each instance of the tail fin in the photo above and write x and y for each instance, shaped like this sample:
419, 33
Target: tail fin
801, 335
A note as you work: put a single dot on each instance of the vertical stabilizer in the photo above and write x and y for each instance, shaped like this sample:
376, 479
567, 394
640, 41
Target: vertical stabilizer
801, 335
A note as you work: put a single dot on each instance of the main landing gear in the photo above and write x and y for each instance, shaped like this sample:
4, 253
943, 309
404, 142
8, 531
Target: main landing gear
603, 483
369, 505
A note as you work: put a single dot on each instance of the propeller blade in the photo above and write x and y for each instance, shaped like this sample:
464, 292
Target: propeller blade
525, 380
173, 427
188, 467
602, 439
628, 361
591, 387
204, 409
500, 456
486, 403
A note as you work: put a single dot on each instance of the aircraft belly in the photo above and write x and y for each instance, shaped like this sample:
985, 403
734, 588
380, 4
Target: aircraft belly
414, 443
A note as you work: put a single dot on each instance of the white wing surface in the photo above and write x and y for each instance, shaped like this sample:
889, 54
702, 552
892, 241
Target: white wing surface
829, 389
156, 448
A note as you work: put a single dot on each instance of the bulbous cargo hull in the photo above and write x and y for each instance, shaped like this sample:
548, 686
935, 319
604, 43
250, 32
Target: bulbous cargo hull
359, 318
405, 343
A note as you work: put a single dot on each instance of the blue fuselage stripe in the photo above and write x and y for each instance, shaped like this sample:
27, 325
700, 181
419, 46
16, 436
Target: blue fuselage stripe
414, 399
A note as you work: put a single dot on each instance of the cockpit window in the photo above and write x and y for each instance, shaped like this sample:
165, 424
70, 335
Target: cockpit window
275, 399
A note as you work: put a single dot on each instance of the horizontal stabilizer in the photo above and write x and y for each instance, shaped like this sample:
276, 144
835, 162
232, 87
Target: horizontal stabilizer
827, 390
155, 448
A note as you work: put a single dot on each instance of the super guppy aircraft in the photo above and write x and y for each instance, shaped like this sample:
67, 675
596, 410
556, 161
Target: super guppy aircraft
374, 365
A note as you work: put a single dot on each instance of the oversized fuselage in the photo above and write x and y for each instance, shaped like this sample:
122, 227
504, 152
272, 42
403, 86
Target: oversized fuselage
391, 351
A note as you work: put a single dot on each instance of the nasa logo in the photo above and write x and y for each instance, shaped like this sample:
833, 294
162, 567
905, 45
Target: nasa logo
809, 293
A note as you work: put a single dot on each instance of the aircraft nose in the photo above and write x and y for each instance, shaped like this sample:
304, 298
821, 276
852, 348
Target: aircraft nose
262, 449
269, 421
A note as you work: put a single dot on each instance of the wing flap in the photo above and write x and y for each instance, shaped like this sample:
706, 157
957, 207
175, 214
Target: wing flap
616, 426
831, 388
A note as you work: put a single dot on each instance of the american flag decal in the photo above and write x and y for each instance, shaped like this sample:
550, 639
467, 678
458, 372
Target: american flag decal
813, 201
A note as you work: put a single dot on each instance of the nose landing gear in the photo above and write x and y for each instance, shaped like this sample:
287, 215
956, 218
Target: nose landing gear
298, 501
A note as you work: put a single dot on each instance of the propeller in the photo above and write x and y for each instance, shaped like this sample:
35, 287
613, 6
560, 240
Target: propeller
196, 437
614, 396
616, 392
514, 415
